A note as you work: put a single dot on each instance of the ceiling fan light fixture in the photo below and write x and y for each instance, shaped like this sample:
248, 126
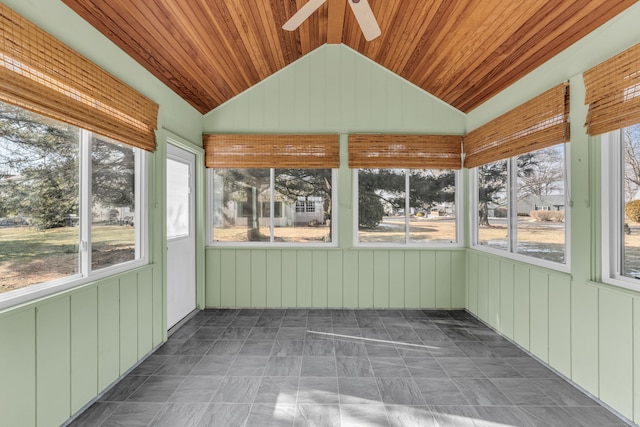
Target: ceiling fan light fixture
361, 10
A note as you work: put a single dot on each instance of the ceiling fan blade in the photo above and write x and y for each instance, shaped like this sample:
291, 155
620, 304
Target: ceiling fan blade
366, 19
302, 14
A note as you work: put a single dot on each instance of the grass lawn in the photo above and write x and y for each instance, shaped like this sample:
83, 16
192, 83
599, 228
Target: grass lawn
29, 256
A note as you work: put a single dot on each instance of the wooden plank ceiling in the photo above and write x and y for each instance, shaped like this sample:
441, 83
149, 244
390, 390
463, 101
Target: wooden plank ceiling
462, 51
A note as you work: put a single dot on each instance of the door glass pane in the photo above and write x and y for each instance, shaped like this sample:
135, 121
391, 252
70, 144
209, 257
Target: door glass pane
177, 199
381, 205
541, 204
113, 237
302, 208
432, 216
39, 199
493, 205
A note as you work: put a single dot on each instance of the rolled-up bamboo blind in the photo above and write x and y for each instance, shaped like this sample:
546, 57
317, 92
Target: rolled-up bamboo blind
539, 123
613, 92
41, 74
405, 151
272, 151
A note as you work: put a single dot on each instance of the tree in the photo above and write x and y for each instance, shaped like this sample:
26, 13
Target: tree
492, 182
545, 175
385, 188
631, 141
113, 173
41, 158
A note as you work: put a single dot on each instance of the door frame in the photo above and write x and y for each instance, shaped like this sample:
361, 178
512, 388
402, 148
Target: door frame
198, 152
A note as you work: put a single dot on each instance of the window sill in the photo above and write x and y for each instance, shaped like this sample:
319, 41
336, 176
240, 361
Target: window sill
562, 268
18, 297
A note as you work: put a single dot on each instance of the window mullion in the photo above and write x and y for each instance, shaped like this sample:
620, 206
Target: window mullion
512, 205
272, 182
407, 206
85, 202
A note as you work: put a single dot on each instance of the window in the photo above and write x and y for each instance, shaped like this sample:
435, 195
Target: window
621, 205
521, 205
272, 205
406, 206
70, 202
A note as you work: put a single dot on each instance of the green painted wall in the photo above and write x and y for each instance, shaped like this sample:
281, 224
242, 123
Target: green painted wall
60, 352
335, 90
585, 329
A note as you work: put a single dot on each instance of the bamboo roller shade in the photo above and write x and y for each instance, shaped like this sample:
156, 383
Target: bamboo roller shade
405, 151
41, 74
538, 123
271, 151
613, 92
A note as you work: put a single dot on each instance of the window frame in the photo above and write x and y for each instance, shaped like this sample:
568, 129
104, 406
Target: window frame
512, 218
85, 274
612, 202
272, 201
459, 221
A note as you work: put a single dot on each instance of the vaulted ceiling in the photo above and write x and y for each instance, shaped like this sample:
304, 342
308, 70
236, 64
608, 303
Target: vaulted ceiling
462, 51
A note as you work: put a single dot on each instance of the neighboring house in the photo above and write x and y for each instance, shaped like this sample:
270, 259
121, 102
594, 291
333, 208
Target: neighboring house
553, 202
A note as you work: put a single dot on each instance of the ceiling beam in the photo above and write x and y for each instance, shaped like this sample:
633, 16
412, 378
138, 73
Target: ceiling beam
335, 21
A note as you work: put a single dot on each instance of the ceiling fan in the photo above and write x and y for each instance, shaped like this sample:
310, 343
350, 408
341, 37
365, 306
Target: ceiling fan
361, 10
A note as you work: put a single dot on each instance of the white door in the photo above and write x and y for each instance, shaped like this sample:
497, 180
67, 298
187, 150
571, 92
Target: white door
181, 234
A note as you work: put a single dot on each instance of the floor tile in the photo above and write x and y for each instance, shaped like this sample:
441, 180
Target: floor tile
130, 414
237, 390
455, 416
491, 416
157, 389
262, 333
318, 390
521, 391
350, 348
400, 391
389, 367
481, 392
282, 390
182, 414
405, 416
548, 416
354, 367
440, 391
421, 367
195, 346
196, 389
317, 415
318, 348
252, 366
360, 391
265, 415
287, 348
364, 415
459, 367
178, 365
216, 366
225, 348
123, 389
283, 366
494, 367
224, 414
318, 366
95, 414
256, 347
563, 393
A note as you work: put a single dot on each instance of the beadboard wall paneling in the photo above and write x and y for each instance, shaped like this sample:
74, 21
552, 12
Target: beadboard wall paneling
335, 278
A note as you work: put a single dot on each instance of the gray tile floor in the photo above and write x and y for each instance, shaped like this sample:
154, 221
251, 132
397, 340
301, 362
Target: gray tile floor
299, 367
